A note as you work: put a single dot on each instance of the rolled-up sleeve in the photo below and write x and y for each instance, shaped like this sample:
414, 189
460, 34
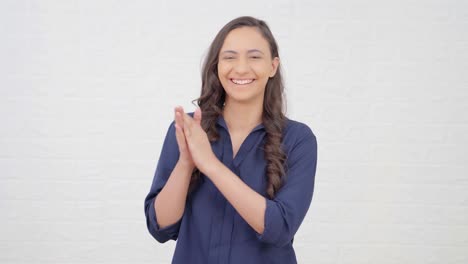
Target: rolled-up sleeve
167, 161
286, 211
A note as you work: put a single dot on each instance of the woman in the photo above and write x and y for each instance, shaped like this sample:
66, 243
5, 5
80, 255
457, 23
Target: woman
235, 178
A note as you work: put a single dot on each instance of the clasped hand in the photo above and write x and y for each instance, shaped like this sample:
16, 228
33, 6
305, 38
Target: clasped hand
194, 145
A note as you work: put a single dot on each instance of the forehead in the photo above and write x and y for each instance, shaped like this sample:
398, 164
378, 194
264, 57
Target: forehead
245, 38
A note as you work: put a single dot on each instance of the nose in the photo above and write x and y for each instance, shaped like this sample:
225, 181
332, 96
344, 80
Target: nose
242, 66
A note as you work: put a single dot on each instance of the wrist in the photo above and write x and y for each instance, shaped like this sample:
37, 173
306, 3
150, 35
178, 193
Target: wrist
186, 165
212, 167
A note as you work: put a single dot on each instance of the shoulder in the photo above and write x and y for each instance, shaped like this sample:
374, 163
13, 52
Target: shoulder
299, 143
296, 131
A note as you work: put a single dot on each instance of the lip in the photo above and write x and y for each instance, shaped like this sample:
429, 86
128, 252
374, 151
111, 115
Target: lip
242, 79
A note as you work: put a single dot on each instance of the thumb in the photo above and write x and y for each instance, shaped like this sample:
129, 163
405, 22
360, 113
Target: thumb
197, 115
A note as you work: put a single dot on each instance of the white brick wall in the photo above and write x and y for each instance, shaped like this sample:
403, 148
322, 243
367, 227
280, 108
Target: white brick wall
87, 90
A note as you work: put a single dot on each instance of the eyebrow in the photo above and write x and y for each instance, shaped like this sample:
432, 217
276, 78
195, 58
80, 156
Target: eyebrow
249, 51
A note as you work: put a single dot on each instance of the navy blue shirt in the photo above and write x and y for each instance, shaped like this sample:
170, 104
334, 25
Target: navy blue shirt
210, 230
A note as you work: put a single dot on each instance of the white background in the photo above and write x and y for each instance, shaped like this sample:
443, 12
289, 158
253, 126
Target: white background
87, 90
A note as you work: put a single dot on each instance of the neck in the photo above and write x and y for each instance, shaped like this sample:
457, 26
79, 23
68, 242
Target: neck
241, 116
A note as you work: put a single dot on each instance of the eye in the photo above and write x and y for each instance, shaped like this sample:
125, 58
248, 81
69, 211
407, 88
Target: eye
255, 57
228, 58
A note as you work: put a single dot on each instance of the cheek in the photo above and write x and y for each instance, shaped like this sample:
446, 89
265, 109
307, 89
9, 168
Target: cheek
262, 69
222, 73
222, 69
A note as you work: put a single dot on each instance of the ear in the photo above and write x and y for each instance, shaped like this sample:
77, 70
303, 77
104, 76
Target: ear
274, 64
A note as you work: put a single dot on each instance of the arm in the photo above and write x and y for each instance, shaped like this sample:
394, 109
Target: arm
248, 203
170, 202
283, 214
165, 203
275, 220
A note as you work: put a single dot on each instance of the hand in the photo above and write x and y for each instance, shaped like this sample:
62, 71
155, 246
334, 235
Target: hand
198, 142
185, 157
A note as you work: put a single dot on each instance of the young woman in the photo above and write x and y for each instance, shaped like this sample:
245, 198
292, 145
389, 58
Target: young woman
235, 178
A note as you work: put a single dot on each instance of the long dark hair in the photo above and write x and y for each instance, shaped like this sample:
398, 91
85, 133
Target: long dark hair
212, 99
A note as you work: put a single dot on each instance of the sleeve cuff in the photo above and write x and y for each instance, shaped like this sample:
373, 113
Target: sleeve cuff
272, 228
162, 234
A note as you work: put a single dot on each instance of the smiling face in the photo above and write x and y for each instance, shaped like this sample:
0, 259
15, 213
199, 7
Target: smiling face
245, 64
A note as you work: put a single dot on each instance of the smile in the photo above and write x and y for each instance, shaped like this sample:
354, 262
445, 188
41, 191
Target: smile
242, 81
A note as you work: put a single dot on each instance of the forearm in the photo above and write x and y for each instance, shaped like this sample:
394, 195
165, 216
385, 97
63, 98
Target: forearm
170, 202
248, 203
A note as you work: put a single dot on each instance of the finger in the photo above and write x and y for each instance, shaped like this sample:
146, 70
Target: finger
180, 109
177, 118
187, 132
179, 125
180, 139
187, 120
180, 136
197, 116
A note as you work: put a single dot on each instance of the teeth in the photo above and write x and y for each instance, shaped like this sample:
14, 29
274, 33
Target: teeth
238, 81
